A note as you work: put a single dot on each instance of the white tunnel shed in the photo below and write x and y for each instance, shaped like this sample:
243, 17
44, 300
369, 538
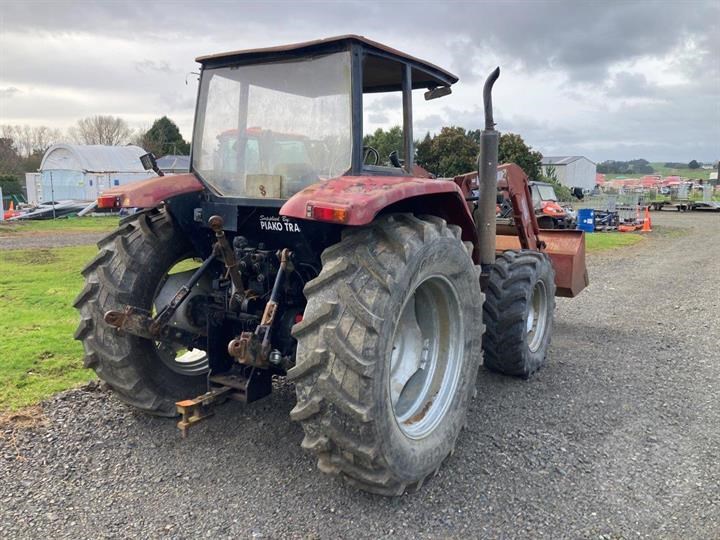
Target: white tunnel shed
82, 172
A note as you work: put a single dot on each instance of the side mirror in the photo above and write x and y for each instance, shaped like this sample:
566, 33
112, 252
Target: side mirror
149, 163
437, 92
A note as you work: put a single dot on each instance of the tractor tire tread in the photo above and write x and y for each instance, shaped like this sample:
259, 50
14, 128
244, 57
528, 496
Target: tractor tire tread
112, 278
505, 309
332, 375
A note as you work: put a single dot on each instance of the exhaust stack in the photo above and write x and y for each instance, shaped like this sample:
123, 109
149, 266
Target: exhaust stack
487, 178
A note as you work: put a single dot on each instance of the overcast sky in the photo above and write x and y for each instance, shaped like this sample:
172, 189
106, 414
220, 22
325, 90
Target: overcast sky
609, 80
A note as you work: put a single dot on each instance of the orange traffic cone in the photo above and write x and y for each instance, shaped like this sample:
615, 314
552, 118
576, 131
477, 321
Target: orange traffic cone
12, 206
647, 222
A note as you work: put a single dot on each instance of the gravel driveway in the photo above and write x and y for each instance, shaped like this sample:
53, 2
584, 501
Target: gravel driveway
47, 239
618, 437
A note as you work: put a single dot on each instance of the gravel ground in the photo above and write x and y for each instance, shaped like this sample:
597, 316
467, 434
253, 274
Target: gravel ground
618, 437
48, 239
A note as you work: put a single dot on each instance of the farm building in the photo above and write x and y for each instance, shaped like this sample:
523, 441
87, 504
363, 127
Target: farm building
172, 164
572, 171
32, 185
82, 172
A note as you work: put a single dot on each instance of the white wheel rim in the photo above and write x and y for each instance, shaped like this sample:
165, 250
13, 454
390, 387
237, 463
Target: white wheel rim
189, 363
426, 357
537, 317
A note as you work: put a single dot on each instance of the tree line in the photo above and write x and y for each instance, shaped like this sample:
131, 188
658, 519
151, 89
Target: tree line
454, 150
640, 166
22, 147
635, 166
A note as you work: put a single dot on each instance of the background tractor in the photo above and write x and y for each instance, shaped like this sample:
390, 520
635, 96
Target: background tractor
550, 213
288, 251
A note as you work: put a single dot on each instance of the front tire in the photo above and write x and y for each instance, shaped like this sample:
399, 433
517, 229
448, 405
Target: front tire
518, 312
388, 352
132, 262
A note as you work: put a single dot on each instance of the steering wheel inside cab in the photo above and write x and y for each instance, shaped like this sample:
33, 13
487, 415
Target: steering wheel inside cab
370, 156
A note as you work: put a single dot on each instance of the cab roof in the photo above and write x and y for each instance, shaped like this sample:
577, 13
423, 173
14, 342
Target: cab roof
381, 71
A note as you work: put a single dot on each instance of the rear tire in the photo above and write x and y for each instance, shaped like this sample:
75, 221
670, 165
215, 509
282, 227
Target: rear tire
518, 312
131, 263
357, 337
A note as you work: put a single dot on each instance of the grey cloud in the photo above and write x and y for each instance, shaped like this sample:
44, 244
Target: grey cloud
675, 127
56, 111
388, 101
377, 106
150, 66
630, 85
431, 123
7, 93
581, 40
177, 101
580, 37
30, 66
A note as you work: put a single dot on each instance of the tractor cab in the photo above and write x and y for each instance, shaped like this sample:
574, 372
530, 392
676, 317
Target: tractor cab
542, 192
271, 122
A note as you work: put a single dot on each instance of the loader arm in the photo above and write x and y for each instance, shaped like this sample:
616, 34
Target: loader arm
565, 247
516, 182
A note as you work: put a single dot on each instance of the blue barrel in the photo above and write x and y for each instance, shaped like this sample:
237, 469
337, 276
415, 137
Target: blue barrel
586, 219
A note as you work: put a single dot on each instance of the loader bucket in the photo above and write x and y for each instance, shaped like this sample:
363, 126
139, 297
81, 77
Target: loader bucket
566, 249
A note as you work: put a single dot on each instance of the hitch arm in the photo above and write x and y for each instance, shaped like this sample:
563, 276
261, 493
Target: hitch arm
139, 322
162, 318
271, 307
254, 348
224, 250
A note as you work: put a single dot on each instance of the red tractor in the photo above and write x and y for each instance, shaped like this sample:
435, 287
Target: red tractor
287, 251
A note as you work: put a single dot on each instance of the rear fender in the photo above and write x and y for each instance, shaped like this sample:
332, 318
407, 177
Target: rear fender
149, 193
363, 198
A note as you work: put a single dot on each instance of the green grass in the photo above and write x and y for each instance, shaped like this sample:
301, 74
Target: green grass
38, 355
72, 224
699, 174
602, 241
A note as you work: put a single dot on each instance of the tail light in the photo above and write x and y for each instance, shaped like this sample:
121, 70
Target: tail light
108, 201
333, 214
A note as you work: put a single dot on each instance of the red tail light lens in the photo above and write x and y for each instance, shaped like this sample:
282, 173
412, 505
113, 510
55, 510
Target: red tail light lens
333, 214
108, 201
